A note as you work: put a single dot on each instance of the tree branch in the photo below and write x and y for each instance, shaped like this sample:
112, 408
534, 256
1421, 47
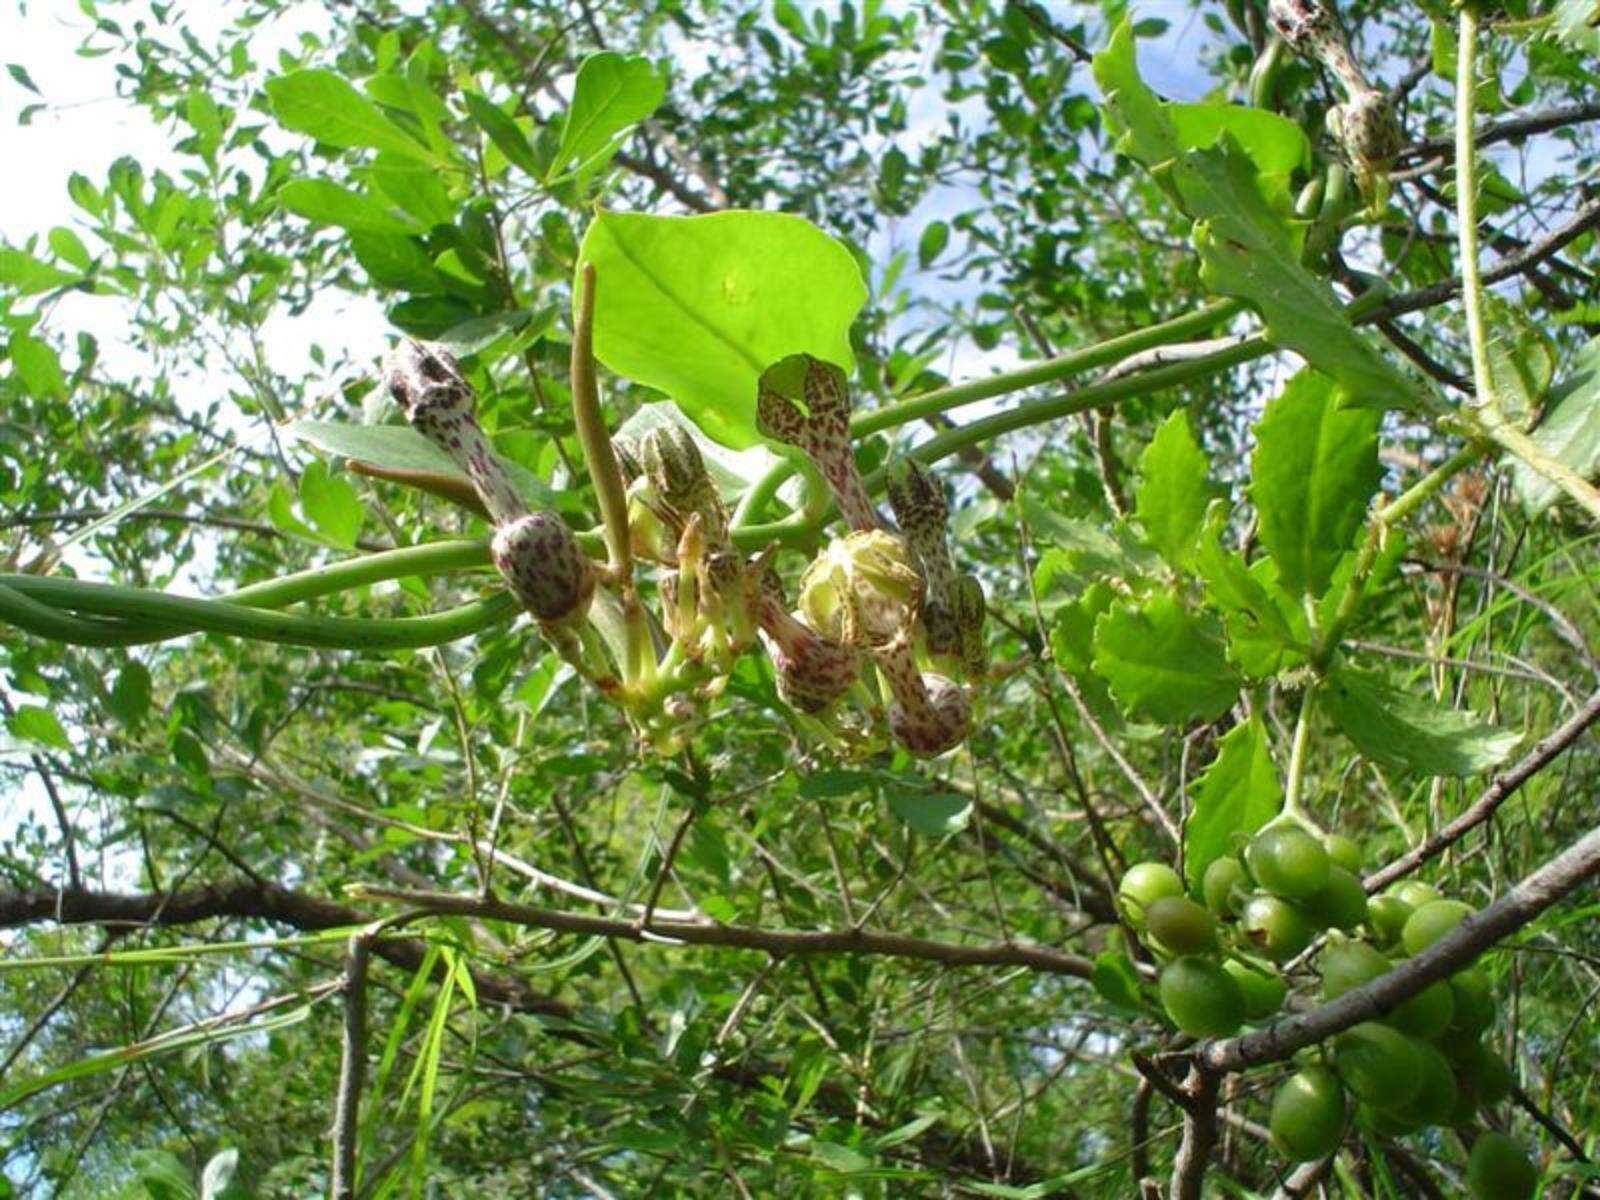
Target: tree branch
352, 1066
1496, 794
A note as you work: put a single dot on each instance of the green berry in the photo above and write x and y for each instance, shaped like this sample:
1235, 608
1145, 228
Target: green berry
1287, 861
1343, 852
1474, 1003
1307, 1116
1386, 917
1491, 1075
1275, 927
1416, 893
1142, 885
1427, 1014
1180, 926
1223, 878
1497, 1169
1341, 904
1346, 965
1437, 1097
1431, 922
1263, 991
1378, 1064
1201, 998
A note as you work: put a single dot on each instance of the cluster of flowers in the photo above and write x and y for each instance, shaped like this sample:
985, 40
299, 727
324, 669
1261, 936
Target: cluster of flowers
886, 631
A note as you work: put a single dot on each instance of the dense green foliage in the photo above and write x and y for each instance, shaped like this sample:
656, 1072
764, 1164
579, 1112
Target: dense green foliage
1276, 538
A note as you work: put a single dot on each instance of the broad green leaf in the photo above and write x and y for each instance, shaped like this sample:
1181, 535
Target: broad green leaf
503, 132
1401, 730
321, 104
36, 723
612, 93
396, 262
1116, 979
1314, 469
129, 699
1247, 249
478, 334
1570, 431
1274, 144
69, 246
1163, 662
27, 276
935, 237
38, 367
402, 448
1072, 644
331, 503
931, 814
325, 203
1173, 491
1265, 631
1237, 794
699, 306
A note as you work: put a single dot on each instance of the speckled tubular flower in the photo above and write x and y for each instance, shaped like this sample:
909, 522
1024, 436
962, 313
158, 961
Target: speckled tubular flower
1365, 124
930, 713
535, 552
427, 383
813, 670
920, 509
805, 403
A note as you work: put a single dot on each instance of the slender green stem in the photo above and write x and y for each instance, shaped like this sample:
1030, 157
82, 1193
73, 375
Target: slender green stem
1297, 755
429, 558
761, 493
1382, 519
172, 616
592, 432
1467, 207
1051, 370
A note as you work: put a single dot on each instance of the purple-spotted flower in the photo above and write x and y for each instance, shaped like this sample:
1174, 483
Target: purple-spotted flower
813, 670
862, 589
805, 403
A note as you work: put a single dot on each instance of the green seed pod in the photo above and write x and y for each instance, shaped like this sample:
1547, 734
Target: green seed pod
1437, 1096
1474, 1004
1343, 852
1347, 965
1386, 917
1427, 1014
1275, 928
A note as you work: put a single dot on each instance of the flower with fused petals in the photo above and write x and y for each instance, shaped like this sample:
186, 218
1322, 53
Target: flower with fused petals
862, 589
805, 403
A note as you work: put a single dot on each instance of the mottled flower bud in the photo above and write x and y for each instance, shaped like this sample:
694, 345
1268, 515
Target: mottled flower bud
919, 508
680, 483
1368, 130
626, 453
813, 670
549, 575
805, 402
929, 714
970, 611
426, 382
862, 589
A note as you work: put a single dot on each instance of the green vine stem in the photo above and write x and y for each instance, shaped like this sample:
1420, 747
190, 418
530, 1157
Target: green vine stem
429, 558
593, 435
158, 616
1294, 781
1489, 419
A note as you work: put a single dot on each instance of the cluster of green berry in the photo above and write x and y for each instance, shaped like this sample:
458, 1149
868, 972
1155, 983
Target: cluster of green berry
1232, 954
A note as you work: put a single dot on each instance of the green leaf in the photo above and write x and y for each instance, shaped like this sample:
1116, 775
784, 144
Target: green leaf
38, 367
1170, 500
935, 237
35, 723
331, 503
502, 131
840, 1158
325, 203
931, 814
1397, 729
1115, 978
699, 306
321, 104
1522, 360
69, 246
129, 699
1238, 793
402, 448
1265, 630
1314, 470
19, 73
1576, 27
1570, 431
611, 94
28, 276
1163, 662
1275, 145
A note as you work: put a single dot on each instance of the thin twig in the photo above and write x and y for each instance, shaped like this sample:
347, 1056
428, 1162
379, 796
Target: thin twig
352, 1066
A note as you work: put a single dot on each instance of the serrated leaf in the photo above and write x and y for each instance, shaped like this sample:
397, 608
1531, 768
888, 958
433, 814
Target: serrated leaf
1173, 491
1397, 729
931, 815
1264, 634
1237, 794
35, 723
1313, 472
325, 203
1163, 662
331, 503
323, 105
611, 93
699, 306
1570, 431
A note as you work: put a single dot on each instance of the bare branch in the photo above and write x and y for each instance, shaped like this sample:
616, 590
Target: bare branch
352, 1066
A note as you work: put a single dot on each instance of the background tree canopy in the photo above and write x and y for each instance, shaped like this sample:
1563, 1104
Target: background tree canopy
1249, 346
